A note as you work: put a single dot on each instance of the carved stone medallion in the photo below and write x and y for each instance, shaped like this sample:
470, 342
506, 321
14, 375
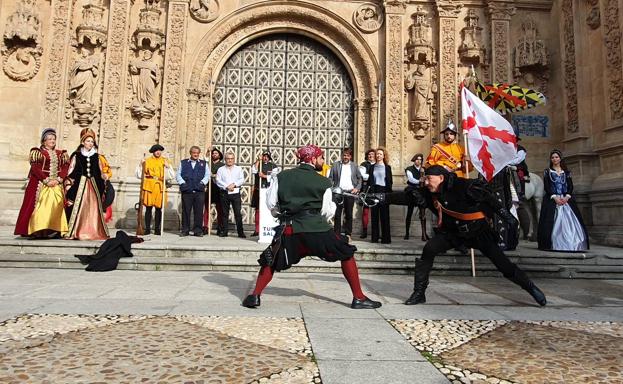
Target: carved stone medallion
21, 44
204, 11
368, 17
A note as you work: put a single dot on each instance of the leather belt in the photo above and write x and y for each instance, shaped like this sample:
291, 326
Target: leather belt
460, 215
153, 177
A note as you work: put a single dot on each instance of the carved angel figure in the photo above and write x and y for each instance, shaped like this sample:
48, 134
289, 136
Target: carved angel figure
367, 18
84, 77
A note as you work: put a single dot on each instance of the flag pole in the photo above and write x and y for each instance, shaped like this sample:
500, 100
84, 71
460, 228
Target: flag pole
471, 250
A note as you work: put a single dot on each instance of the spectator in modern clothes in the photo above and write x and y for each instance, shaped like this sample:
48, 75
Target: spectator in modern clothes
229, 180
192, 176
381, 182
215, 194
345, 174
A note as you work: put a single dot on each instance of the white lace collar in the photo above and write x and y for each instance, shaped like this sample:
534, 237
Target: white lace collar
88, 153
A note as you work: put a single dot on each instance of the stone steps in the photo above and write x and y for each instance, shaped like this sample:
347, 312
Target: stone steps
233, 254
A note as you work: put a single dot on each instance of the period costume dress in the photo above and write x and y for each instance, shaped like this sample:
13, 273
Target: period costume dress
84, 195
561, 227
302, 200
42, 211
463, 207
154, 190
266, 168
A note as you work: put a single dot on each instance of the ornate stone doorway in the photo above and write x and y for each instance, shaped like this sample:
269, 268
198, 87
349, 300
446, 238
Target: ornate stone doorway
279, 92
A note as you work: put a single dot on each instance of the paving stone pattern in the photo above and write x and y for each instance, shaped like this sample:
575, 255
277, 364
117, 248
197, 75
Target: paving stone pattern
132, 349
503, 352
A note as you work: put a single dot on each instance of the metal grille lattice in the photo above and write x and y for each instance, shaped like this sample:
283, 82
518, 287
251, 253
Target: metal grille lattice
281, 92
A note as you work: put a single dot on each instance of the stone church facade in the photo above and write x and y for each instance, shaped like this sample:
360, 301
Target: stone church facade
247, 75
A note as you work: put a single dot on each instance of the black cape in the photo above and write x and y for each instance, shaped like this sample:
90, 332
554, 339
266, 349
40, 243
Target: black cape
109, 253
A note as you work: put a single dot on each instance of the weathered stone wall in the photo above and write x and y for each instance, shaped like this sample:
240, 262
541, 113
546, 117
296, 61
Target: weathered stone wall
141, 71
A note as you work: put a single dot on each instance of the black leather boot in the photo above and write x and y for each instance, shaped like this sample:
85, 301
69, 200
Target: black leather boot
407, 229
158, 220
148, 220
424, 234
520, 278
420, 283
364, 233
251, 301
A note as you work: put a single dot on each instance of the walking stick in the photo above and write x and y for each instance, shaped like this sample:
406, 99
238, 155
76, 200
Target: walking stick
140, 226
471, 250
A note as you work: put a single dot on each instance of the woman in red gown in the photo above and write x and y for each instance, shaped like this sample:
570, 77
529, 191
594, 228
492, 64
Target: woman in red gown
84, 186
42, 214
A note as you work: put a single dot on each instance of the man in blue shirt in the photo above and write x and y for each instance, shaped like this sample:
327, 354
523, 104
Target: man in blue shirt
192, 176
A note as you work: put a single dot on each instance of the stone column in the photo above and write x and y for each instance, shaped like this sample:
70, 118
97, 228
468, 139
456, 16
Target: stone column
500, 13
115, 75
173, 82
56, 82
448, 11
394, 80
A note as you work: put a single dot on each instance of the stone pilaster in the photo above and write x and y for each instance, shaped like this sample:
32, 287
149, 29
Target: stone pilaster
173, 82
569, 68
500, 13
115, 72
394, 80
448, 11
55, 82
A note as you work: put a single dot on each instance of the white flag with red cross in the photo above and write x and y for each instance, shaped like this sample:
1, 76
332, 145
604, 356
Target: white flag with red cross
492, 143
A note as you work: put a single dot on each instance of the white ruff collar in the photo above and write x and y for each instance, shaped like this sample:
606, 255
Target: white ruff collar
88, 153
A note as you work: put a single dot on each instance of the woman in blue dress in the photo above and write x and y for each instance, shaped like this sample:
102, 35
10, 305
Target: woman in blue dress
560, 224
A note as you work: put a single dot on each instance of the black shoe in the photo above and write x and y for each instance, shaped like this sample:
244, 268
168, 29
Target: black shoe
364, 234
147, 233
254, 234
157, 233
406, 237
386, 241
242, 236
222, 234
251, 301
365, 304
417, 297
537, 295
198, 234
462, 249
374, 240
184, 234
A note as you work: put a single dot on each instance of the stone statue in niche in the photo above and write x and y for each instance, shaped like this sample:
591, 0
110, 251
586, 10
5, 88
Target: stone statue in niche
21, 45
420, 85
368, 17
83, 77
145, 79
419, 48
204, 11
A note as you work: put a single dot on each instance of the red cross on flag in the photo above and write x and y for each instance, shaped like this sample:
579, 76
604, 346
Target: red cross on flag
492, 143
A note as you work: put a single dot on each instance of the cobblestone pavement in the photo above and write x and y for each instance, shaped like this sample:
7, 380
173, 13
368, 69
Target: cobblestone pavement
166, 349
504, 352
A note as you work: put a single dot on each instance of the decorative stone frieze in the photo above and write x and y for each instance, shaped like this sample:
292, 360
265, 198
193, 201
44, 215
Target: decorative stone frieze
112, 121
368, 17
92, 29
448, 12
531, 57
569, 79
612, 36
173, 82
55, 82
21, 44
500, 13
593, 19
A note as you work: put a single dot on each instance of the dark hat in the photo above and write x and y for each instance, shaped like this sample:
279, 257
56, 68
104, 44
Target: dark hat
267, 153
416, 156
436, 170
47, 131
156, 147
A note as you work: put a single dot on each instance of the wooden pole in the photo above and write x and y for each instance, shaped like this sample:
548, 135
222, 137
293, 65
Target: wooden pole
471, 250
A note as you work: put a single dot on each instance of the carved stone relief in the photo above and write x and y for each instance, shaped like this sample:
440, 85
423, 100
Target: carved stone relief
92, 29
593, 19
570, 81
612, 37
448, 11
173, 83
145, 72
420, 81
21, 43
471, 50
500, 14
204, 11
368, 17
531, 58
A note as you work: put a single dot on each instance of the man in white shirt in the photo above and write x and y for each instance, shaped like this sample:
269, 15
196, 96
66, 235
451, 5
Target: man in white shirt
346, 175
229, 179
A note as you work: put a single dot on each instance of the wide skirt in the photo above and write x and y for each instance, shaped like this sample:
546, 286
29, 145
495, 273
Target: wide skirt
87, 220
43, 212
